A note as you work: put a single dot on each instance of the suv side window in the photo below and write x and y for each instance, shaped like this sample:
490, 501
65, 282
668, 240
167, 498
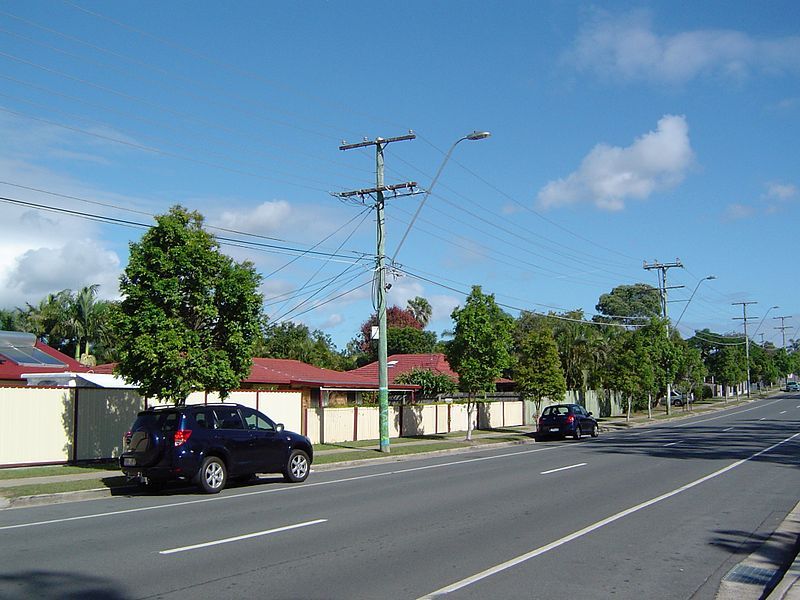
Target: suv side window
205, 419
228, 418
255, 420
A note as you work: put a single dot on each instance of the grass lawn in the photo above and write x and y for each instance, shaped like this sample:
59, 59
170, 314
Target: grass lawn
25, 472
63, 486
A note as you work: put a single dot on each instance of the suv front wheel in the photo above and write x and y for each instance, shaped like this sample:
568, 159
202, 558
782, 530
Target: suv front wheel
212, 475
297, 467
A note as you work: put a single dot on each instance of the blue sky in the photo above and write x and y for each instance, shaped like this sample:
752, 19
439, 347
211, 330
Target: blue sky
628, 133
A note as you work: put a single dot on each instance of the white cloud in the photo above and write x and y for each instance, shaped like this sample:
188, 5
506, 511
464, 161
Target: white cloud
737, 211
267, 217
443, 307
626, 46
610, 175
781, 191
37, 272
333, 320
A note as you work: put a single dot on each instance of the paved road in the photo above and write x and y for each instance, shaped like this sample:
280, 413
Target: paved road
657, 512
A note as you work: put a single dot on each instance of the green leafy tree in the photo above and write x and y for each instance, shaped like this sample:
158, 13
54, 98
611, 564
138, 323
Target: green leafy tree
728, 366
296, 341
481, 346
537, 368
11, 319
628, 303
631, 370
409, 340
431, 383
190, 315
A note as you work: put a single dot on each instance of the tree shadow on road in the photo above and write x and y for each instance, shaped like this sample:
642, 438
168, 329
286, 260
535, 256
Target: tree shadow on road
708, 442
45, 585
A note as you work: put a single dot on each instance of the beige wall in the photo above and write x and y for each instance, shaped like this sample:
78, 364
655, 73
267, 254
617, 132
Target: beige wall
36, 425
39, 424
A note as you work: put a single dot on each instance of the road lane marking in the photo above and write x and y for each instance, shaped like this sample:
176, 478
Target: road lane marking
239, 538
728, 429
673, 443
562, 469
304, 486
335, 481
783, 412
763, 419
722, 416
593, 527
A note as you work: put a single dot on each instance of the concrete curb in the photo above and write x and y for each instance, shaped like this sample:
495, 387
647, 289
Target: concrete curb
762, 570
99, 493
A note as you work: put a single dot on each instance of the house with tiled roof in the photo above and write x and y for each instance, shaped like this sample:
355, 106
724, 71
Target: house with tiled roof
436, 362
319, 387
21, 354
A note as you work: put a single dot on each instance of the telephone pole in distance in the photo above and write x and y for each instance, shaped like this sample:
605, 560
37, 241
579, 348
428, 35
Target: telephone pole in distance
783, 329
745, 319
380, 267
662, 269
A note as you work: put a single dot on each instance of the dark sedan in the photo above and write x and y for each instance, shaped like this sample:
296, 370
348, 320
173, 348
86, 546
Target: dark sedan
562, 420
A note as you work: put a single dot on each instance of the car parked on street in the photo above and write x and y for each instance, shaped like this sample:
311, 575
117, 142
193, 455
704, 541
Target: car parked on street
562, 420
678, 399
209, 444
792, 386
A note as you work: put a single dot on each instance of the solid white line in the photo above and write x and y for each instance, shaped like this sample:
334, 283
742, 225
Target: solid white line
673, 443
562, 469
304, 486
239, 538
593, 527
728, 429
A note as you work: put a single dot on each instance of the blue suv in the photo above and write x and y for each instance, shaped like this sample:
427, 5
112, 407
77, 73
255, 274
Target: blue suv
210, 443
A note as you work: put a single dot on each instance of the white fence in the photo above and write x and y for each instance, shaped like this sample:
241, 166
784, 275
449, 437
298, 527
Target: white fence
60, 425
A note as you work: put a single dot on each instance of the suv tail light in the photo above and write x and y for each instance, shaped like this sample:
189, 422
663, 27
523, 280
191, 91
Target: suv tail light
126, 439
570, 418
181, 435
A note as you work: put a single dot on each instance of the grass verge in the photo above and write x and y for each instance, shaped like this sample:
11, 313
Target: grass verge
62, 486
25, 472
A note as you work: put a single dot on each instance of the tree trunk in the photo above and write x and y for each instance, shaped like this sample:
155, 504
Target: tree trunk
628, 415
469, 417
649, 406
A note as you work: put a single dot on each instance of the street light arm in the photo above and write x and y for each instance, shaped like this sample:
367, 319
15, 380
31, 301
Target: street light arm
475, 135
692, 296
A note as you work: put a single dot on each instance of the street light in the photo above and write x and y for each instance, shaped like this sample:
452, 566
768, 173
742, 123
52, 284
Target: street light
692, 296
475, 135
755, 333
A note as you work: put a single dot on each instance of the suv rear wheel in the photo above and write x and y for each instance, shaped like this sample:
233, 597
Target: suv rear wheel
297, 467
212, 475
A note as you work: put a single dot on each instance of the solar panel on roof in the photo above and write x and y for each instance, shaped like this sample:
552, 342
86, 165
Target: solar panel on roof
19, 348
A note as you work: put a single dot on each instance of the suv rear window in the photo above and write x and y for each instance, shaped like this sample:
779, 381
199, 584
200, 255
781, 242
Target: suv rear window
165, 421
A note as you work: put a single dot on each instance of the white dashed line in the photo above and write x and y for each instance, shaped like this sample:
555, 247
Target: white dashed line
728, 429
239, 538
562, 469
673, 443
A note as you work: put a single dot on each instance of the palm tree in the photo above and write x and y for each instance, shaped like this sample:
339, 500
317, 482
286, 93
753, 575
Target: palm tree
421, 309
87, 319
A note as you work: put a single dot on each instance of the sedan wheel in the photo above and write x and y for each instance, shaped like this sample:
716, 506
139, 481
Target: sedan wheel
595, 430
297, 467
577, 434
213, 475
